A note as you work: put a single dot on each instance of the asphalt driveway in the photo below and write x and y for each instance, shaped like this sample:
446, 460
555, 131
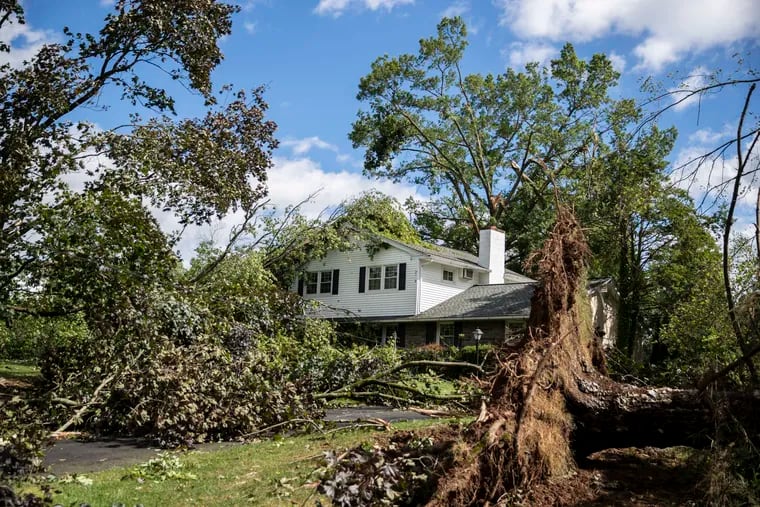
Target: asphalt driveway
80, 456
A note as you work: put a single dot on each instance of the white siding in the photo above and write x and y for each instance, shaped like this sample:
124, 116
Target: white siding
435, 290
375, 303
604, 316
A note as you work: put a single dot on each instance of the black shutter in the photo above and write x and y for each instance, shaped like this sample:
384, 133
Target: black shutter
430, 329
300, 285
401, 335
362, 276
402, 276
457, 332
336, 273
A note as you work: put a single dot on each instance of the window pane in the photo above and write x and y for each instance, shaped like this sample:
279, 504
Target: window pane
448, 275
311, 283
391, 276
375, 273
325, 285
447, 334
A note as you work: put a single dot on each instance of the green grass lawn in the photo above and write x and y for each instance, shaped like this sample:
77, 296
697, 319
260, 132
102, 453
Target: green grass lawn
18, 370
270, 472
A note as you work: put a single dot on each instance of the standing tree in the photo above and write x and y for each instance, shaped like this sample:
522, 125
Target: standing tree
485, 145
105, 235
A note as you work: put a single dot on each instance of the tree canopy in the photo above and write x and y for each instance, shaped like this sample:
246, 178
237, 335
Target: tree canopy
480, 143
197, 169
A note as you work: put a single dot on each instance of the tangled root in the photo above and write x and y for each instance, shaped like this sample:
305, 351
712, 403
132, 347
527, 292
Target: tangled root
523, 436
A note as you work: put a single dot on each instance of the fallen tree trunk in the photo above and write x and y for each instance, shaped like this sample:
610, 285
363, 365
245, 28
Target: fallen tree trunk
607, 415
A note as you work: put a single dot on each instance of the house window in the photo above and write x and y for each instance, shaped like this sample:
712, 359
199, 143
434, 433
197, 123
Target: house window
448, 276
325, 282
318, 282
391, 277
375, 275
467, 273
311, 283
385, 277
446, 333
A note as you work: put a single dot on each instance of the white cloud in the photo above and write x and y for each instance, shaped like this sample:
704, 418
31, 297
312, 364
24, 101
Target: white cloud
25, 42
710, 180
618, 61
670, 28
520, 53
290, 181
710, 137
337, 7
696, 79
250, 27
306, 144
251, 4
458, 8
293, 180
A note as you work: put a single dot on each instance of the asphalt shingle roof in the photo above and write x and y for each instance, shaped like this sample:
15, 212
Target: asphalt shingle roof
484, 302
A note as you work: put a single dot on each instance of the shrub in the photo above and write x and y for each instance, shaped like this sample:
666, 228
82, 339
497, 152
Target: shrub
430, 352
22, 437
403, 473
27, 338
470, 353
182, 395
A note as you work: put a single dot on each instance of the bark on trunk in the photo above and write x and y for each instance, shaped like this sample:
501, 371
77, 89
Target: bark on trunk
608, 415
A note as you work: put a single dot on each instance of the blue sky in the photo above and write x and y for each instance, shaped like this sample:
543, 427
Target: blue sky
310, 54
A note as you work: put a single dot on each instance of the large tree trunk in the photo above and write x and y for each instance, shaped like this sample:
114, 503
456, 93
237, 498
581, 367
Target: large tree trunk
550, 405
607, 415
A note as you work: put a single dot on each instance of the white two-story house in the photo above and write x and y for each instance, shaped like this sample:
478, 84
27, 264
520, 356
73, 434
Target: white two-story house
421, 294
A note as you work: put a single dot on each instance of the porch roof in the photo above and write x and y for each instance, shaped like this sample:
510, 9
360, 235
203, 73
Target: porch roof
507, 300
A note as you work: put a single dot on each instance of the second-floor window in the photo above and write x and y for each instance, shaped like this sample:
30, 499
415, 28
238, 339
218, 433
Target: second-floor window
311, 283
375, 275
391, 277
381, 278
448, 276
385, 277
319, 282
325, 282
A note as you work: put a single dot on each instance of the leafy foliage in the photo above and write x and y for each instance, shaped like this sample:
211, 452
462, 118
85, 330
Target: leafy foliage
401, 473
485, 145
22, 438
41, 146
167, 466
198, 393
10, 498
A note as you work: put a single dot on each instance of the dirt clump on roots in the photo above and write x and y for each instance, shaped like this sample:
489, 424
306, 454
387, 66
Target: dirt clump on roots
522, 435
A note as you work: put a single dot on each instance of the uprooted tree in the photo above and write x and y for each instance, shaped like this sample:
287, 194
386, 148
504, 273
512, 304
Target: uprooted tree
550, 401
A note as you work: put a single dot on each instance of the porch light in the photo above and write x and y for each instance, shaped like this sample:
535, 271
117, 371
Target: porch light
477, 335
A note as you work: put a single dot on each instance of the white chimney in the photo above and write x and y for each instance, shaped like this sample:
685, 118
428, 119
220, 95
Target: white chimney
491, 254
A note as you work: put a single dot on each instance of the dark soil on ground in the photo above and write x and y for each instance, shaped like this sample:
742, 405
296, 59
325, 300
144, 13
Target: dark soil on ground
635, 477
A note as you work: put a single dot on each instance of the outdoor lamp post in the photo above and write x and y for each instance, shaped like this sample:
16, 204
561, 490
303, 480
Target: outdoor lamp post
477, 335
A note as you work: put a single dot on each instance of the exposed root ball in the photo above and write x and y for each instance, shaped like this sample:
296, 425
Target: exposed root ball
523, 436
